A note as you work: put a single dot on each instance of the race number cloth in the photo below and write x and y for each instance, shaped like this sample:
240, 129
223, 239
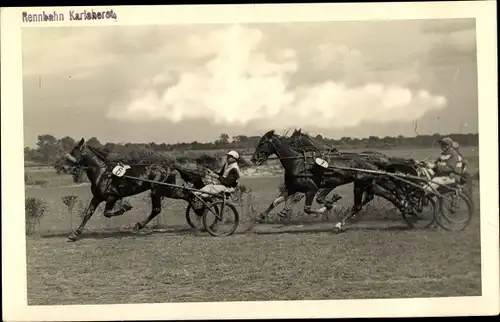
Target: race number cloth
320, 162
120, 170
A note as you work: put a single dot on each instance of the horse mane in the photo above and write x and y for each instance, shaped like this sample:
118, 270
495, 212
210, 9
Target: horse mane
315, 142
101, 152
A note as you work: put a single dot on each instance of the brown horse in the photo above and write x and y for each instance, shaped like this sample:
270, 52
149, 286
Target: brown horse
364, 191
300, 176
109, 188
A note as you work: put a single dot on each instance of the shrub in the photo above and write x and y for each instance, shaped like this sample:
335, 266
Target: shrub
35, 209
70, 202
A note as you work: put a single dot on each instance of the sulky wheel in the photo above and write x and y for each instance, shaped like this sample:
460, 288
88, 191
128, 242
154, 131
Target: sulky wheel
455, 211
425, 216
194, 217
227, 221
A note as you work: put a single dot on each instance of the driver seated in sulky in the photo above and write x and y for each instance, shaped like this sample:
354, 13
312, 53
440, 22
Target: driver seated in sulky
447, 167
227, 177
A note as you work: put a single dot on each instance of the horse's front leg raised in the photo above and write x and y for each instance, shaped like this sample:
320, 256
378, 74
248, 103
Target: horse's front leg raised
94, 203
108, 209
155, 210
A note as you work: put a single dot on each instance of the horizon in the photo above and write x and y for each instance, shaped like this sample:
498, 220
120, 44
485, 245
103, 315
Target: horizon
231, 138
180, 83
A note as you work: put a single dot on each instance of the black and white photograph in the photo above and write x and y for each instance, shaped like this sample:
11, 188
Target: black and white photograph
250, 160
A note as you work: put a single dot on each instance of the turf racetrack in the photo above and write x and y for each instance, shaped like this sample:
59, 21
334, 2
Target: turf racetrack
375, 258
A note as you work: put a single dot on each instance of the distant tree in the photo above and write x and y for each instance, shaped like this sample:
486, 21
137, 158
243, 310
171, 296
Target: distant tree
240, 138
47, 147
223, 139
66, 143
93, 141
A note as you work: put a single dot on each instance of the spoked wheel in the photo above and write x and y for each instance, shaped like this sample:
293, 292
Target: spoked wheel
422, 213
424, 216
227, 221
455, 211
194, 217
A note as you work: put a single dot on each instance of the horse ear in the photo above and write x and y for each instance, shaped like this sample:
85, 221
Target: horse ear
300, 131
80, 143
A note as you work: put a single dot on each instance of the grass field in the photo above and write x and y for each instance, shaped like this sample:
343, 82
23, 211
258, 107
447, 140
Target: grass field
375, 258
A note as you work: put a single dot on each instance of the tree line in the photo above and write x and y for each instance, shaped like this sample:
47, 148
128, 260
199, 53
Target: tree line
49, 148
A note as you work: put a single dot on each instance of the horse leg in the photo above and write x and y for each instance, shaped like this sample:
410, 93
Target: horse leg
322, 194
363, 194
309, 200
108, 208
287, 208
282, 197
385, 193
155, 210
94, 203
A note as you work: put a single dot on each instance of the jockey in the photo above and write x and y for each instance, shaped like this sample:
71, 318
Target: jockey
447, 166
228, 176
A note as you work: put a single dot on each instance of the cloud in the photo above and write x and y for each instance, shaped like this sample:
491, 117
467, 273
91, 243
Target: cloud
239, 84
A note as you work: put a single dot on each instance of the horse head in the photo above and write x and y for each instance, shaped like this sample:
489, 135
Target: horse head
265, 148
83, 155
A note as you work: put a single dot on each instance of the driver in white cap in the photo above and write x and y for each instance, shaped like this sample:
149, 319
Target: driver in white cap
228, 176
447, 167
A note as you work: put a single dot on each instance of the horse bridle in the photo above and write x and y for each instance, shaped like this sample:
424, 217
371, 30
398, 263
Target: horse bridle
270, 141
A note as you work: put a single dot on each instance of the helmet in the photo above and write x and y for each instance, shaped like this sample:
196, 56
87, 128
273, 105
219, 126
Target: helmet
447, 141
234, 154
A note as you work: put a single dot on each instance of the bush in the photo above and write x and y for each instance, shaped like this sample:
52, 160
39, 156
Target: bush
70, 202
35, 209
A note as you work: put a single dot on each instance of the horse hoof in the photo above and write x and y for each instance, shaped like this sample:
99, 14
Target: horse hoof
127, 207
72, 237
136, 228
337, 230
284, 214
336, 198
329, 205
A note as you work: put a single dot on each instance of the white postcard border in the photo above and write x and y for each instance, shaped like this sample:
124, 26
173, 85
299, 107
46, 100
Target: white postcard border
13, 238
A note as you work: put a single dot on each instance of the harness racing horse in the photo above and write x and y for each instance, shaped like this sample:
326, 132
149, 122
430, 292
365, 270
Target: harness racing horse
108, 188
362, 190
299, 177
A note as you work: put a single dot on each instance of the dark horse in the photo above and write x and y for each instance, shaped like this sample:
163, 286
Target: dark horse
362, 190
308, 179
108, 188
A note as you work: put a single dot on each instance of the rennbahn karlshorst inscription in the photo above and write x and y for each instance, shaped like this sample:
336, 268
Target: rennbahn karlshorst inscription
72, 14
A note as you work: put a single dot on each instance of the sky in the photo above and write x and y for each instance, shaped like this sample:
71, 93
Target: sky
192, 82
